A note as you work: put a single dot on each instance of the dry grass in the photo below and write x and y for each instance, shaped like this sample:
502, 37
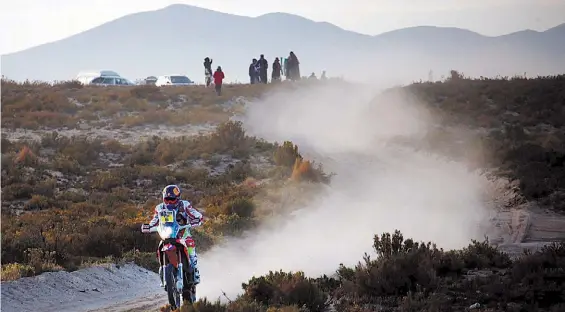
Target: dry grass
39, 105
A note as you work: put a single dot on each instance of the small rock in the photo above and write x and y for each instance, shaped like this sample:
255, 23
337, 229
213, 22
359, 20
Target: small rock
83, 126
475, 306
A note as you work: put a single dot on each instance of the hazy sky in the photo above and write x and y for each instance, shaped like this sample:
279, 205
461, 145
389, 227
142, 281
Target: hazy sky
26, 23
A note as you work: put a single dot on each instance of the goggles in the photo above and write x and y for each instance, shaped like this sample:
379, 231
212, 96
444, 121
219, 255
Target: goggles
171, 201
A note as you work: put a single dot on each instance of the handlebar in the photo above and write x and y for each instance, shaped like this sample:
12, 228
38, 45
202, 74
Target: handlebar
155, 229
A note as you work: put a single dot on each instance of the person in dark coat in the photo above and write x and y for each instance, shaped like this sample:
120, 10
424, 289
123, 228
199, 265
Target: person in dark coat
277, 70
293, 66
263, 66
208, 71
286, 68
253, 72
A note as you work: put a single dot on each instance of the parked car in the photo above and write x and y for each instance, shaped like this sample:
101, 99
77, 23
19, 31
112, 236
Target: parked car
111, 81
151, 80
173, 80
103, 77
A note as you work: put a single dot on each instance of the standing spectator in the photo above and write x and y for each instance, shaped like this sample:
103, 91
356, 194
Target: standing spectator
277, 69
257, 71
208, 71
323, 75
253, 74
218, 78
293, 66
286, 69
263, 66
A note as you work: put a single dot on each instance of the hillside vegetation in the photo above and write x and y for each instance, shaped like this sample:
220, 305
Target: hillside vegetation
69, 201
518, 128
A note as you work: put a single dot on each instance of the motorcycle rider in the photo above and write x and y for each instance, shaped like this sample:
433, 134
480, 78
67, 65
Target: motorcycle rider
186, 213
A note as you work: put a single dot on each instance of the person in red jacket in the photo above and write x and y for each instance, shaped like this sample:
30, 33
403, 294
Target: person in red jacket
218, 78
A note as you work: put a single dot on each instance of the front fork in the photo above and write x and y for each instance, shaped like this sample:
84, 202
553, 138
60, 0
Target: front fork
180, 273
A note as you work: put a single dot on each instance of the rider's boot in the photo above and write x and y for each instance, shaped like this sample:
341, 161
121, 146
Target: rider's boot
162, 284
196, 275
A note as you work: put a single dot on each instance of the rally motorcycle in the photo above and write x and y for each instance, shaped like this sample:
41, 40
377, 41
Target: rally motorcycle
177, 269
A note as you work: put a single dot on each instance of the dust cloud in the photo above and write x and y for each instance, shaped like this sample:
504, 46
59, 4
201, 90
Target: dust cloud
378, 187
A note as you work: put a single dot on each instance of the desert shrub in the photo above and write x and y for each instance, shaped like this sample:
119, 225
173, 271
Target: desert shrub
38, 202
286, 154
544, 274
280, 288
26, 157
137, 105
106, 181
404, 266
17, 191
14, 271
74, 196
305, 171
41, 260
82, 149
66, 165
67, 85
415, 276
147, 92
223, 225
204, 305
243, 207
479, 255
239, 172
45, 187
146, 260
230, 137
114, 146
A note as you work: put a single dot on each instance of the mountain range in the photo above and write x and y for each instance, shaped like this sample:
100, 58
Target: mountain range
176, 39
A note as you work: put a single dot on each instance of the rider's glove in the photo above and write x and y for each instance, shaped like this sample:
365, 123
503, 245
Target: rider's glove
145, 228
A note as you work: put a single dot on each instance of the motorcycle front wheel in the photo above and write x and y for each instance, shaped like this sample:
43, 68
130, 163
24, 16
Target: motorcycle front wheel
175, 298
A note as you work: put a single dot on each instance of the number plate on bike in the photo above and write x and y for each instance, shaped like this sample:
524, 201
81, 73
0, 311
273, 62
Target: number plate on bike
167, 216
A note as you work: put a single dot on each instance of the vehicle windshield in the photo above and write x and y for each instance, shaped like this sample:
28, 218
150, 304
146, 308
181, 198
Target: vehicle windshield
179, 79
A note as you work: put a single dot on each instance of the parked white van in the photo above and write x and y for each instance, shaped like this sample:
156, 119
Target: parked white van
102, 77
173, 80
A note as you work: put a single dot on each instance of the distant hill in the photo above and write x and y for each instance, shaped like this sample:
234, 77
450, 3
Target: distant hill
177, 38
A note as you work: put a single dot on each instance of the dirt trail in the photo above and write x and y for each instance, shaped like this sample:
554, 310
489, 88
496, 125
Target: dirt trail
83, 290
528, 227
149, 303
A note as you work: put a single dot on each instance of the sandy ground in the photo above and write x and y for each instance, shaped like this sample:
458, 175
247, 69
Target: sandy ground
530, 229
83, 290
